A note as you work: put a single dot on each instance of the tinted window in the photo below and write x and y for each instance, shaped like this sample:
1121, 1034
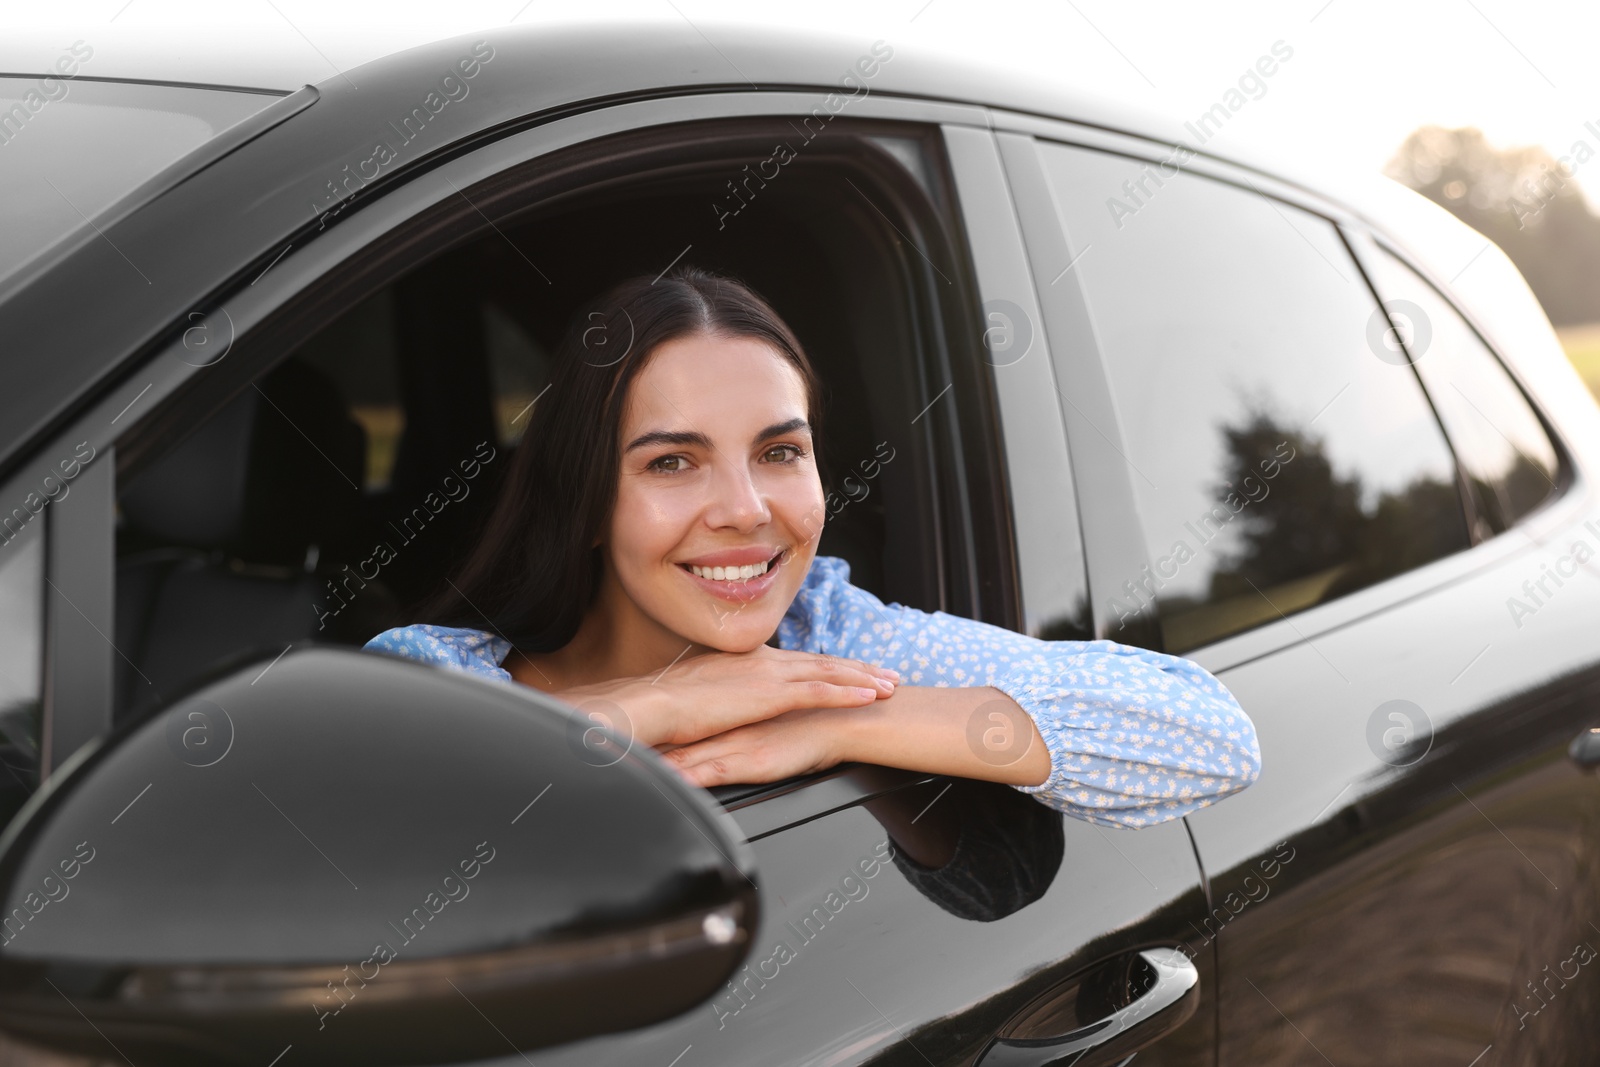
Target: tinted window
1278, 461
1498, 439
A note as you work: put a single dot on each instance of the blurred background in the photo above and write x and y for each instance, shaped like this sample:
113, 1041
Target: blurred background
1489, 107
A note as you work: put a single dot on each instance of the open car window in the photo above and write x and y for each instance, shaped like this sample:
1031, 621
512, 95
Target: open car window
336, 487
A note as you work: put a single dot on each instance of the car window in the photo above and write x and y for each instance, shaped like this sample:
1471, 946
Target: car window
1499, 441
21, 661
73, 148
327, 495
1278, 461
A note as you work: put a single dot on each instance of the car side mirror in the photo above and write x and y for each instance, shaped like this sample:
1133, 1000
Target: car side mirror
367, 859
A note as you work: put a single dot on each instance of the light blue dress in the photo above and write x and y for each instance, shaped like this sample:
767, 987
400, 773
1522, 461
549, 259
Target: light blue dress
1135, 737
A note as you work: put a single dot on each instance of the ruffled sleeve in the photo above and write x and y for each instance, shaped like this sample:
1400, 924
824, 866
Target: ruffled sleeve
473, 651
1135, 737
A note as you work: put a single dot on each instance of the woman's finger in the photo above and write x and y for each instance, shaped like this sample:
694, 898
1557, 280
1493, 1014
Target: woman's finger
727, 759
724, 691
833, 668
837, 672
799, 743
727, 708
814, 694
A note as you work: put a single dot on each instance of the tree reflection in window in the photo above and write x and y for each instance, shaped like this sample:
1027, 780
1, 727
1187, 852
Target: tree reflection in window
1305, 533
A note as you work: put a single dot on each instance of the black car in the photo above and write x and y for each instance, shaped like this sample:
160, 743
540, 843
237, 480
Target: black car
267, 349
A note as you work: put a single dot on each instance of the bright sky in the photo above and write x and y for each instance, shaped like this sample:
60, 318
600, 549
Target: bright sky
1364, 72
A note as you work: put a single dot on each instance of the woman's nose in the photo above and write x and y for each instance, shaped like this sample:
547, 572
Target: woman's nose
736, 500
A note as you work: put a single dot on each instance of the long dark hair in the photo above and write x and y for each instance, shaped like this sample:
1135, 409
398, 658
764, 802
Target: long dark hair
534, 570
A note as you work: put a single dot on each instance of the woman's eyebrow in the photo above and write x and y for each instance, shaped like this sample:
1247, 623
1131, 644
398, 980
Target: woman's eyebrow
779, 428
695, 437
669, 437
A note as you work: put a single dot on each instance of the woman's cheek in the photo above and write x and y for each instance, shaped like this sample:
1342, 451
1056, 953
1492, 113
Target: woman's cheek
643, 530
799, 507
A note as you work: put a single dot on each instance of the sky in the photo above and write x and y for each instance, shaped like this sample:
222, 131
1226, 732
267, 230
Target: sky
1364, 73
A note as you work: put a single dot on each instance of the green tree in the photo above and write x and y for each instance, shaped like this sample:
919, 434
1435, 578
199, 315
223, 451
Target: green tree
1521, 199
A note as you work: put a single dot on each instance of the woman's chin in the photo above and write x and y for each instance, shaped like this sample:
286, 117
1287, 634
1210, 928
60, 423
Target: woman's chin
729, 639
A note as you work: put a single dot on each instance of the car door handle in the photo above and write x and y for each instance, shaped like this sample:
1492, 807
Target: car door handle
1585, 749
1171, 994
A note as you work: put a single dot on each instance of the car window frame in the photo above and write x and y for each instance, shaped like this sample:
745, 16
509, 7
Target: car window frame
74, 688
243, 306
1107, 494
1040, 491
1365, 243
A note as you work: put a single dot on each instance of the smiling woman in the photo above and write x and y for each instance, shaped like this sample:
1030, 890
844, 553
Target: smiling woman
654, 551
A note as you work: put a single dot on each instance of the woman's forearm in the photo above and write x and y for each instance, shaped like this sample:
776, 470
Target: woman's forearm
977, 732
1111, 734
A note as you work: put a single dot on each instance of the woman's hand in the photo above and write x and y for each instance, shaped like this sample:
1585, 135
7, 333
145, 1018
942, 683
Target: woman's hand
796, 742
721, 691
977, 732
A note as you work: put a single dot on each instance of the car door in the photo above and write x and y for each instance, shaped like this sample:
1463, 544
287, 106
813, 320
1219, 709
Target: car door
884, 939
1310, 521
873, 946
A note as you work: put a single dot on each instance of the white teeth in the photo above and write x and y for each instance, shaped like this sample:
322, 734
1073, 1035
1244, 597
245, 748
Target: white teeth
731, 574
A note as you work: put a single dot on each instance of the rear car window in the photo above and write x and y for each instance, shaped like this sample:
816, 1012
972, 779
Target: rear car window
1277, 460
1502, 446
69, 149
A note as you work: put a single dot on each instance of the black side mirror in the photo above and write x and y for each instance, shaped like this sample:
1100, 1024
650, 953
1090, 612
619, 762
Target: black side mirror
371, 861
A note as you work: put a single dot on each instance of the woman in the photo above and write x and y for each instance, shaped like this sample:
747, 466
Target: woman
658, 529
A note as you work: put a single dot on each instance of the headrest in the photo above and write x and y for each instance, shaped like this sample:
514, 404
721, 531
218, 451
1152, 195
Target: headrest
275, 471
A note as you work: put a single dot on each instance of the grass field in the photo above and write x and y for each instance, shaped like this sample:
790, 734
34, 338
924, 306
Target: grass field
1583, 348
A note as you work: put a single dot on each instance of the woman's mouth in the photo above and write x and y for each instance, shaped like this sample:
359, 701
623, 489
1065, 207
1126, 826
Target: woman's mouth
741, 583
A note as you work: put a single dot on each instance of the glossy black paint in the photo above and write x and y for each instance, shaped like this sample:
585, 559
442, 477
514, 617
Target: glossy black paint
1459, 878
1374, 905
275, 860
1114, 1012
918, 925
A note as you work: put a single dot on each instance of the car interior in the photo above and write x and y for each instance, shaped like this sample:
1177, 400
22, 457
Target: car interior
250, 505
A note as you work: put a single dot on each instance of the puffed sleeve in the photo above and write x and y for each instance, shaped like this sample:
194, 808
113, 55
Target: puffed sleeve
473, 651
1135, 737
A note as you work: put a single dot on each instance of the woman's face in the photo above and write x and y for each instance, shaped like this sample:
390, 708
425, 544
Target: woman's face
718, 499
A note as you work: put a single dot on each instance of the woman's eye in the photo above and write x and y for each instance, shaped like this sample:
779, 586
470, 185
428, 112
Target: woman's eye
782, 454
668, 464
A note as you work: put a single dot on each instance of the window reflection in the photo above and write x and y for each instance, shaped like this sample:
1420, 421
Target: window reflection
1277, 460
1499, 441
979, 850
1304, 533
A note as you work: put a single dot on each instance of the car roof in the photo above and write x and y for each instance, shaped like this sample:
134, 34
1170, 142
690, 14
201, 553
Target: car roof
634, 58
670, 52
658, 53
636, 55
